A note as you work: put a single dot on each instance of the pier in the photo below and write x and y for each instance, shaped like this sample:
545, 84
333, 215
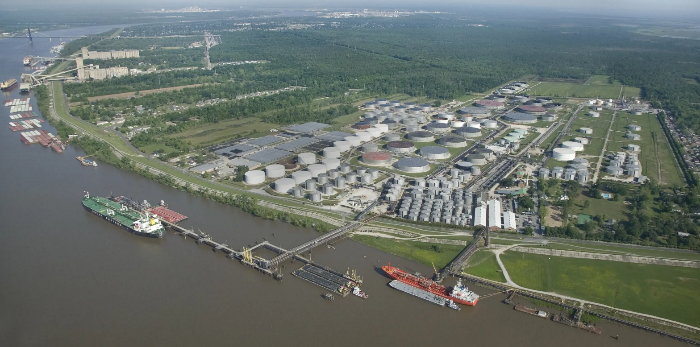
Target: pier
456, 264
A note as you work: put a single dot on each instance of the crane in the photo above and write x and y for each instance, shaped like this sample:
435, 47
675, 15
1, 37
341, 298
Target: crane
209, 42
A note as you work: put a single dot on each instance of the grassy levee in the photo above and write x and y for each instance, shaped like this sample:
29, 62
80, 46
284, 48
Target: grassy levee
663, 291
484, 264
622, 250
422, 252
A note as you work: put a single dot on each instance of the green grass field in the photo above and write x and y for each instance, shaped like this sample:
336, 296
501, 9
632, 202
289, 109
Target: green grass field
227, 130
623, 250
648, 156
664, 291
597, 86
484, 264
419, 251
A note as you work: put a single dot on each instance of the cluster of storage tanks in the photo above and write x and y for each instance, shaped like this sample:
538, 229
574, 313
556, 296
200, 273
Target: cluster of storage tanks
578, 172
621, 163
437, 204
323, 179
392, 113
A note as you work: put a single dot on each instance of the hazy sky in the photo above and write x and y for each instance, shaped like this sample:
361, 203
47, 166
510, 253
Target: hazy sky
649, 8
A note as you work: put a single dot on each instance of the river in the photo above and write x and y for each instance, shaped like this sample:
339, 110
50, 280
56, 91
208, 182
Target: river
68, 278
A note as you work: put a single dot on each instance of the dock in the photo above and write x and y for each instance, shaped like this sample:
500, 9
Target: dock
167, 214
325, 278
458, 262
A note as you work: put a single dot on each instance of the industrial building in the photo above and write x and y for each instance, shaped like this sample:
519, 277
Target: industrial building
127, 53
376, 158
509, 221
480, 216
412, 165
494, 214
520, 118
94, 72
434, 152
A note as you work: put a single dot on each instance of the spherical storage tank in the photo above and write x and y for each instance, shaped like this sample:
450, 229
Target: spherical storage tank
412, 165
435, 152
563, 154
301, 176
401, 146
490, 124
376, 158
316, 169
284, 185
575, 146
468, 132
453, 141
254, 177
421, 136
331, 152
275, 171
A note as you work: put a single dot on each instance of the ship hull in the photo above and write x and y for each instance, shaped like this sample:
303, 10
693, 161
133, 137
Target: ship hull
441, 291
118, 223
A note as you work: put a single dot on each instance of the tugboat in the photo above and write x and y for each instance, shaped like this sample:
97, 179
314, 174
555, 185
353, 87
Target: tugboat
451, 304
357, 292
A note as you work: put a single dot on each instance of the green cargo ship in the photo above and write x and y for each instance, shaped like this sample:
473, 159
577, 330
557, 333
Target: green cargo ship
135, 222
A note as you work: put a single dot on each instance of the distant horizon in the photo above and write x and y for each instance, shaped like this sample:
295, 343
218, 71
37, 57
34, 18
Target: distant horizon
682, 10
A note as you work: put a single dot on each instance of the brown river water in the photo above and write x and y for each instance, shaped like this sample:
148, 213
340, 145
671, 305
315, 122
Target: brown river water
68, 278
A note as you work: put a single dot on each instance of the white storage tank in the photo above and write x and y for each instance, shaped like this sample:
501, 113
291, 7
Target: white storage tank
354, 141
594, 114
315, 196
316, 169
490, 124
586, 130
343, 146
254, 177
476, 170
322, 178
333, 173
301, 176
364, 136
297, 192
331, 152
457, 124
275, 171
310, 184
351, 177
340, 182
284, 185
574, 146
614, 170
374, 132
563, 154
582, 140
307, 158
331, 163
633, 148
634, 127
435, 152
370, 147
381, 127
345, 168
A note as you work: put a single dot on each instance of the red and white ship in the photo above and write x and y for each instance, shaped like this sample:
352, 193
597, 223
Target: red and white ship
459, 293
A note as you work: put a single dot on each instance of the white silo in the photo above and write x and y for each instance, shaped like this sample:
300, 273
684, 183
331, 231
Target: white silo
340, 182
563, 154
374, 132
354, 141
310, 184
364, 136
367, 179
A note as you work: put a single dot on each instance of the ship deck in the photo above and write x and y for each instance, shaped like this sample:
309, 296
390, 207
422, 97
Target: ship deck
168, 215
